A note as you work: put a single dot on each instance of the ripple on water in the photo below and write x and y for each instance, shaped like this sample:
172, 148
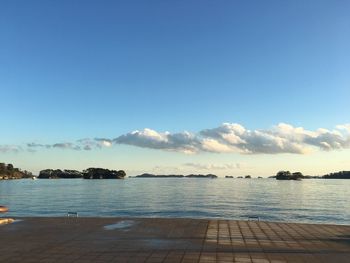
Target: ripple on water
307, 201
124, 224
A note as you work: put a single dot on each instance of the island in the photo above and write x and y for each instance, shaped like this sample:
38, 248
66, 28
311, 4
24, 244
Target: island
55, 174
101, 173
8, 172
90, 173
287, 175
148, 175
338, 175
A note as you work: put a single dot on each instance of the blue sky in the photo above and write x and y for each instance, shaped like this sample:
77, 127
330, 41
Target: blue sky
72, 70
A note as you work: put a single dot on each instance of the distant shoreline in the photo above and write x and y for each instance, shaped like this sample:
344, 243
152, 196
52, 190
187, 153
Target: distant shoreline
9, 172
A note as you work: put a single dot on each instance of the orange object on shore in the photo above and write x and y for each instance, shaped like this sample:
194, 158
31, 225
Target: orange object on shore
3, 209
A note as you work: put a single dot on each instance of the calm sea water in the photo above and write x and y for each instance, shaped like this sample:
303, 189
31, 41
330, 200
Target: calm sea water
311, 201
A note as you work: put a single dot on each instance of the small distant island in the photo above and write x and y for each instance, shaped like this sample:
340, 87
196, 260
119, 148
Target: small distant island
9, 172
286, 175
240, 177
147, 175
297, 176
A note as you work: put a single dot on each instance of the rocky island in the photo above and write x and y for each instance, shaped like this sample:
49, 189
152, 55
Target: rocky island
8, 172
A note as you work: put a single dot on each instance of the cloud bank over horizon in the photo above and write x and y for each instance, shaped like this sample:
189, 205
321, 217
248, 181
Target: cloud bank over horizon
233, 137
226, 138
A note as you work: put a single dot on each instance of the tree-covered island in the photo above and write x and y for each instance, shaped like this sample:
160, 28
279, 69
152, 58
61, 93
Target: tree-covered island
286, 175
338, 175
90, 173
8, 172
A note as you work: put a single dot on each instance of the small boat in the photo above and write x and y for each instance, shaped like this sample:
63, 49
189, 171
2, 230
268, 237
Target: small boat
34, 178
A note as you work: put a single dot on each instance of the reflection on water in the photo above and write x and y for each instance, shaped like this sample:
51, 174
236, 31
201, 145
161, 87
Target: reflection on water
124, 224
321, 201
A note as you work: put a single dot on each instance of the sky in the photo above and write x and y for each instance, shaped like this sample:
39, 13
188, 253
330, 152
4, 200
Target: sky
224, 87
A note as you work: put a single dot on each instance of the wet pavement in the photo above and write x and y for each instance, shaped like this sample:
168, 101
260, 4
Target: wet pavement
77, 239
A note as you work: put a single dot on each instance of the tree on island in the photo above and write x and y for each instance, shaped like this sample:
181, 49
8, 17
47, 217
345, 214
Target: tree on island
55, 174
338, 175
101, 173
10, 172
90, 173
287, 175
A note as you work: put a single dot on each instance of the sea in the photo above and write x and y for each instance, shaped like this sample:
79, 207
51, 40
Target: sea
307, 201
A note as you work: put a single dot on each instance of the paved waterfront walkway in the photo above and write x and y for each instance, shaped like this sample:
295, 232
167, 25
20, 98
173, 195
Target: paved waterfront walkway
170, 240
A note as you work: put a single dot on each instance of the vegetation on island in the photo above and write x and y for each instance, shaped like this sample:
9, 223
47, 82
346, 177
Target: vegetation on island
211, 176
147, 175
338, 175
286, 175
101, 173
55, 174
90, 173
8, 172
240, 177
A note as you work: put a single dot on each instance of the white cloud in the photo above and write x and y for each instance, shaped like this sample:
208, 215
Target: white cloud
106, 143
344, 127
182, 142
242, 140
228, 137
212, 145
233, 137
